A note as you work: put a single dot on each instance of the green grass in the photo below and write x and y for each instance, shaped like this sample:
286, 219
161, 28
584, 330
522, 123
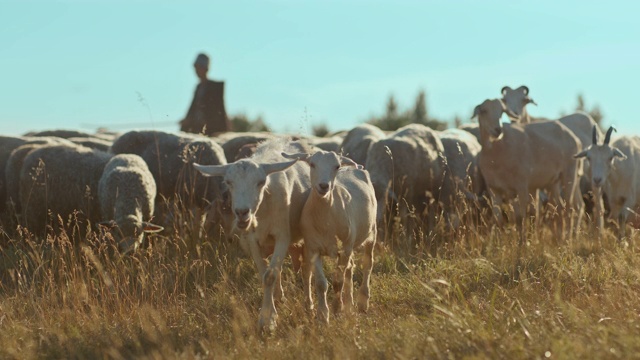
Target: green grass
189, 296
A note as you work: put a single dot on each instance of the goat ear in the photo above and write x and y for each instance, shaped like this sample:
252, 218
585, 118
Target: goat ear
476, 112
297, 156
211, 170
531, 101
582, 153
279, 166
150, 228
617, 153
345, 161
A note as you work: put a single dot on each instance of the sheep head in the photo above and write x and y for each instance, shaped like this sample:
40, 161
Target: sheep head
128, 232
601, 157
489, 114
246, 181
324, 168
516, 100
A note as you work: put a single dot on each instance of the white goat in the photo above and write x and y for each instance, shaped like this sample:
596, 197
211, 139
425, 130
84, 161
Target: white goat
580, 123
268, 193
341, 206
516, 160
615, 168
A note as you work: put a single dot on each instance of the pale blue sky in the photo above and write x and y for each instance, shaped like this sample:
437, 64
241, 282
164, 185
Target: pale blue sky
84, 64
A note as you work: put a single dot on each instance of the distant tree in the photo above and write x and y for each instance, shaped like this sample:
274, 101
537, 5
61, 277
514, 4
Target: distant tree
595, 112
457, 121
320, 130
394, 119
241, 123
420, 115
392, 108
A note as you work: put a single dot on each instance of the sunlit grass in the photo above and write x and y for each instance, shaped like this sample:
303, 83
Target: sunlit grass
464, 294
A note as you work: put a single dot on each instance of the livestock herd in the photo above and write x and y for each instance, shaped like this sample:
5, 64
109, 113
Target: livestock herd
308, 197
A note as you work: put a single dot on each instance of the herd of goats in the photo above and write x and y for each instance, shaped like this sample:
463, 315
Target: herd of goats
336, 193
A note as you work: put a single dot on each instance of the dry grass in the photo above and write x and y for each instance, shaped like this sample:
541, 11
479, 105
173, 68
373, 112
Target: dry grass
187, 295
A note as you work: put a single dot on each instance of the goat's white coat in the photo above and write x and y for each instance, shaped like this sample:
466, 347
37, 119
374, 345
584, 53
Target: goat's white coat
615, 170
341, 208
268, 193
580, 123
516, 160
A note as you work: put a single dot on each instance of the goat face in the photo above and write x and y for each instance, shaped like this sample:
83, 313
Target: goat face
516, 100
129, 232
324, 168
246, 181
489, 114
601, 158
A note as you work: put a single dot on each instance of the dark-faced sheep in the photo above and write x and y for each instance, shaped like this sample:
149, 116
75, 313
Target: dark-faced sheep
92, 185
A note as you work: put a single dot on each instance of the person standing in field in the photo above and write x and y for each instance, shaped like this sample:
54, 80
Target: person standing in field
207, 114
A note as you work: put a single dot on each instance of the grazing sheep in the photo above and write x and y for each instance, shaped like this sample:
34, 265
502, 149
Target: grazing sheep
12, 152
358, 141
614, 170
409, 165
342, 206
462, 179
169, 158
516, 160
7, 145
75, 180
126, 192
268, 193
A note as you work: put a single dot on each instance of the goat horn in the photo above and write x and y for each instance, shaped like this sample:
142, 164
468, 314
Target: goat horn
526, 89
595, 135
608, 136
504, 90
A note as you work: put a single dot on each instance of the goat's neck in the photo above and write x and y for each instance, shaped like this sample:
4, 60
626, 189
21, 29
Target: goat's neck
321, 201
485, 139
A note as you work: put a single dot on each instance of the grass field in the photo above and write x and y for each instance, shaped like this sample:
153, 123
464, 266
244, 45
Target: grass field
190, 296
